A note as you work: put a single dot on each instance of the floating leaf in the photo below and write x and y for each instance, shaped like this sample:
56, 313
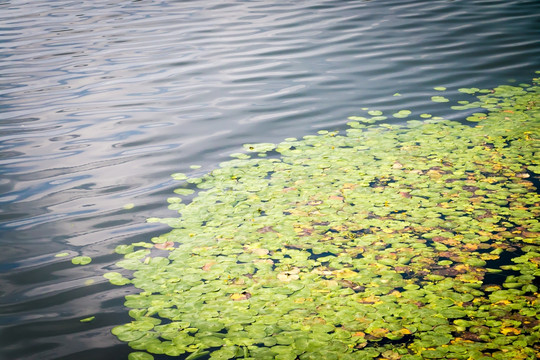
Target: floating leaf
261, 147
88, 319
287, 276
116, 278
140, 356
402, 114
240, 297
439, 99
81, 260
510, 331
164, 245
469, 90
183, 191
124, 249
453, 313
240, 156
179, 176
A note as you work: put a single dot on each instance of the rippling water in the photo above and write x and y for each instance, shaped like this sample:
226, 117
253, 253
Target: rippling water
101, 100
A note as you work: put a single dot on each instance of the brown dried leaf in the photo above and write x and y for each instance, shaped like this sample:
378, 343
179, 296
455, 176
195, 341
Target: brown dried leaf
165, 245
266, 229
208, 265
260, 252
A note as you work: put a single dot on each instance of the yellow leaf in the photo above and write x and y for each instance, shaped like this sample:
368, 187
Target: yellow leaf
471, 247
489, 257
405, 331
239, 297
508, 330
379, 332
344, 273
371, 299
287, 276
260, 252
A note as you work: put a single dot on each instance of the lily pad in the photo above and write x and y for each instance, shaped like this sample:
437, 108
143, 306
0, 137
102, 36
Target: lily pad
439, 99
81, 260
140, 356
261, 147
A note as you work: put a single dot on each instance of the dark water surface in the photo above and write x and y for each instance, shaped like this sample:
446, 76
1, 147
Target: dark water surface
100, 101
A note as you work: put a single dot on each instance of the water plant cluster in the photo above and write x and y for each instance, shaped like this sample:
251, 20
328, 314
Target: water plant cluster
387, 242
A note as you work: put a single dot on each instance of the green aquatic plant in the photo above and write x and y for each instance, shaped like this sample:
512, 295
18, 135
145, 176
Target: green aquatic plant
402, 114
81, 260
439, 99
386, 242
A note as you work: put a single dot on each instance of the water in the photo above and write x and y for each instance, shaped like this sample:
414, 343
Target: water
100, 101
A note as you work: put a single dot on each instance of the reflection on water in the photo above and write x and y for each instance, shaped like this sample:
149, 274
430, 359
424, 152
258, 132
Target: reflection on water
100, 101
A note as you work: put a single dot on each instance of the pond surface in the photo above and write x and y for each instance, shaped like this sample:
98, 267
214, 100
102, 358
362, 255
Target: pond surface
101, 101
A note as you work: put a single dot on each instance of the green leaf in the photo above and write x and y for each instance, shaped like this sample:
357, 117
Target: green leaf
197, 355
402, 114
140, 356
226, 352
453, 313
261, 147
81, 260
469, 90
124, 249
183, 191
179, 176
116, 278
439, 99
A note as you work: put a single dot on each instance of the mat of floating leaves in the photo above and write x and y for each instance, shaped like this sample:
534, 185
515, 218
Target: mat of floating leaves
385, 242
